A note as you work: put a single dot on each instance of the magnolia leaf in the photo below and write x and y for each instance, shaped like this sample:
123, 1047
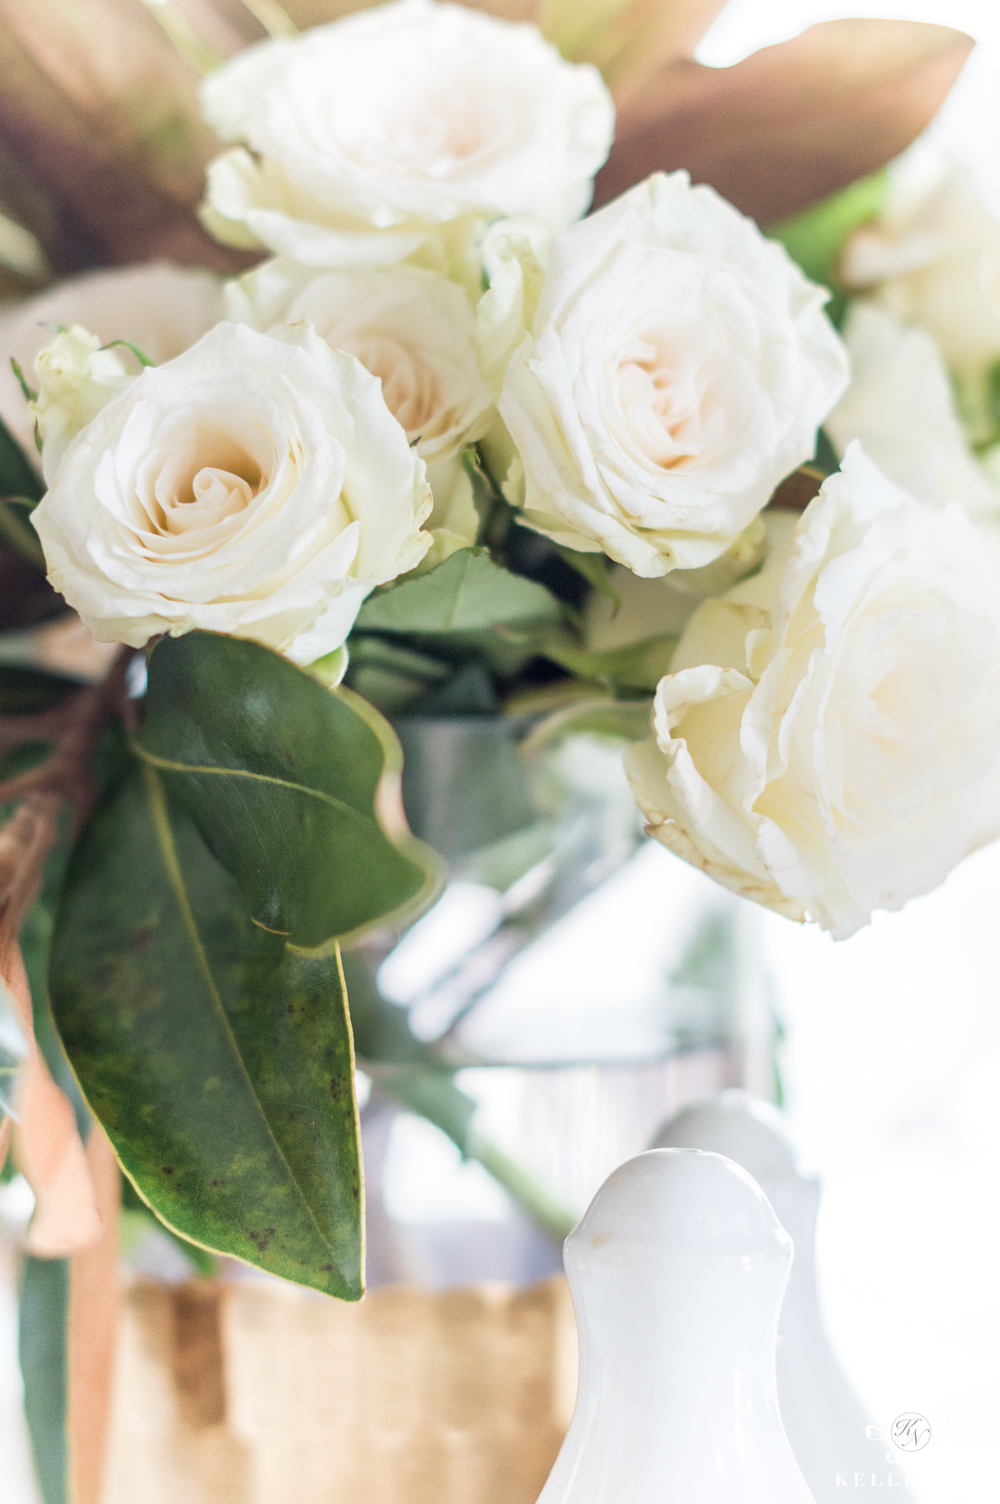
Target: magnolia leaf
102, 149
68, 1320
218, 1060
293, 787
44, 1360
798, 489
627, 39
47, 1140
467, 593
793, 123
195, 971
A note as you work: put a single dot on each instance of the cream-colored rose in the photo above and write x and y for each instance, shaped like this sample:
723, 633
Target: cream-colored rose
901, 409
932, 259
257, 485
828, 741
677, 368
368, 133
76, 377
413, 330
162, 309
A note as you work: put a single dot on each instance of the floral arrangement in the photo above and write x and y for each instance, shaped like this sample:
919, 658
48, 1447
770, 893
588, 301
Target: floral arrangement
441, 441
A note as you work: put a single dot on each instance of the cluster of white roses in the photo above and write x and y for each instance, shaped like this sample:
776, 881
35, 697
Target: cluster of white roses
639, 382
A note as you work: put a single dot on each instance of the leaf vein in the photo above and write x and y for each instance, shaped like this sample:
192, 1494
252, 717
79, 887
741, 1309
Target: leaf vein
168, 851
169, 766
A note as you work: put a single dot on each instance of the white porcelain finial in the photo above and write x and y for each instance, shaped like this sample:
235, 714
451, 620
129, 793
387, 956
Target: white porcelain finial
825, 1423
677, 1271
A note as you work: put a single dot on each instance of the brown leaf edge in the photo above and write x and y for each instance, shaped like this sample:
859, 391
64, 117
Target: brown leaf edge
792, 123
102, 149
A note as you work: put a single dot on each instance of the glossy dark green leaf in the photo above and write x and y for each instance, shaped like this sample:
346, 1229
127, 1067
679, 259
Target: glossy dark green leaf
293, 787
218, 1059
466, 593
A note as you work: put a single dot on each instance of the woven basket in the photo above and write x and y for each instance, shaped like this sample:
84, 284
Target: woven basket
259, 1393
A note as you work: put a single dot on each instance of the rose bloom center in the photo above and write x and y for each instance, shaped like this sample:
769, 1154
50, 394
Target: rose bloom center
432, 133
197, 488
662, 382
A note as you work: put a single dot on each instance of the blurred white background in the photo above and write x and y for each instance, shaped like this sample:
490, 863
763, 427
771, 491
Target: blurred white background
892, 1063
892, 1074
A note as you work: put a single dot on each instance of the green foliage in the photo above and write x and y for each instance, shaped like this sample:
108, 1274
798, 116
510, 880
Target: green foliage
137, 1219
16, 529
218, 1061
42, 1349
285, 781
595, 569
467, 593
195, 970
18, 476
639, 666
991, 402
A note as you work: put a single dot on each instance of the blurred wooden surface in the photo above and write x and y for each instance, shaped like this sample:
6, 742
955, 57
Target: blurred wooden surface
260, 1393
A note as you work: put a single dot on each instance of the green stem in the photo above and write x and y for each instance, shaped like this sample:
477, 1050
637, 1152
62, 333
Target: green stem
551, 1217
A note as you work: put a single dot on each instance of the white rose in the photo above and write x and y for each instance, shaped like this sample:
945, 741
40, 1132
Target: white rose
256, 485
900, 407
932, 259
76, 378
828, 741
161, 309
678, 367
413, 330
370, 131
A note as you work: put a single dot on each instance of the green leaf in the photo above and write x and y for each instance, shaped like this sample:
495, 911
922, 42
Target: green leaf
43, 1316
640, 665
16, 530
466, 593
595, 568
290, 785
138, 1219
18, 476
195, 971
218, 1059
27, 392
127, 344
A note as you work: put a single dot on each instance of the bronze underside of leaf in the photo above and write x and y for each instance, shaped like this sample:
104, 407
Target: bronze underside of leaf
792, 123
102, 151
